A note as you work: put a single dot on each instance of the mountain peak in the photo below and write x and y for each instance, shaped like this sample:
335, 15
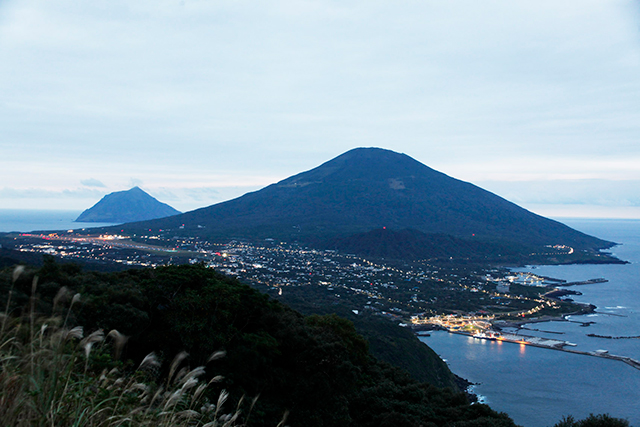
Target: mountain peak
365, 164
127, 206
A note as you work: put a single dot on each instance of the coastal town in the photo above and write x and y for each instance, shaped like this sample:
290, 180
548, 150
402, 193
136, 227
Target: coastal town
471, 301
409, 292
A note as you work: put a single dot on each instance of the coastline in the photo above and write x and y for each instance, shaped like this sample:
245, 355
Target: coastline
495, 331
520, 379
560, 346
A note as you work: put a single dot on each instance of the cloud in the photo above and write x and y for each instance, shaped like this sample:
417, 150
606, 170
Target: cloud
190, 198
203, 194
164, 194
135, 182
91, 182
42, 193
594, 192
496, 90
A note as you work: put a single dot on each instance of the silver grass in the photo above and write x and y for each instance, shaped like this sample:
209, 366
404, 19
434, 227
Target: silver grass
138, 387
232, 419
173, 399
194, 373
88, 342
62, 295
207, 407
189, 384
221, 399
175, 363
74, 300
284, 419
201, 388
119, 340
119, 422
216, 379
76, 332
217, 355
180, 375
187, 414
156, 396
17, 272
150, 361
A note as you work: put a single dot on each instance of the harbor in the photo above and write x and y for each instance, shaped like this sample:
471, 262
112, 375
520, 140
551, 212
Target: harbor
492, 329
520, 378
547, 343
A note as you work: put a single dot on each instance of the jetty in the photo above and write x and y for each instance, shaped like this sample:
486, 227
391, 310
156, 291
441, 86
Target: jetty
585, 282
552, 344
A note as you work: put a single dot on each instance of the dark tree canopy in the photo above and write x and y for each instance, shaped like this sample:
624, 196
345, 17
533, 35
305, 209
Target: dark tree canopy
317, 367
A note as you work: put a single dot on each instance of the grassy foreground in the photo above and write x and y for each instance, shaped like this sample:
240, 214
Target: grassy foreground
51, 374
302, 371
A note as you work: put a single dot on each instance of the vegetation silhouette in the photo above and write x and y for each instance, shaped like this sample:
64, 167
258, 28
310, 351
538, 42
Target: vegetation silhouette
317, 369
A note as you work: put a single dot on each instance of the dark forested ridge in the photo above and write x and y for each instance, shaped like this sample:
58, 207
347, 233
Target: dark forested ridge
389, 342
127, 206
317, 367
414, 245
370, 188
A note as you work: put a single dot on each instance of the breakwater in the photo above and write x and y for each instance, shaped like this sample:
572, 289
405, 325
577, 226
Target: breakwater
585, 282
552, 344
609, 337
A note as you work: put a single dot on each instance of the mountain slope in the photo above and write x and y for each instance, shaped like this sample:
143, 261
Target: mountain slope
127, 206
409, 244
371, 188
317, 368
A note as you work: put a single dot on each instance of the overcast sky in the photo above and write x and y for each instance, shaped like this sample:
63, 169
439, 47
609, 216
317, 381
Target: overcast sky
200, 101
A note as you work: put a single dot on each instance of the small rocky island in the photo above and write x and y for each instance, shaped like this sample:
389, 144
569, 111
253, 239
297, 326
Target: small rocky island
127, 206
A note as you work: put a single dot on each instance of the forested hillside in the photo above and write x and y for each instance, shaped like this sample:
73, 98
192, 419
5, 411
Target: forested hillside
316, 367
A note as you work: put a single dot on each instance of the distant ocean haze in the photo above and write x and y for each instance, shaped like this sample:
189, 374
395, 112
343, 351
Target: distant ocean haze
25, 220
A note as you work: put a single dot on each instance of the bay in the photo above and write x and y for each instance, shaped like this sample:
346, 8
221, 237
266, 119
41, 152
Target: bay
536, 386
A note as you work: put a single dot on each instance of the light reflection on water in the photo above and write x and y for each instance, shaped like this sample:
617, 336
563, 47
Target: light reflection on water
536, 386
522, 349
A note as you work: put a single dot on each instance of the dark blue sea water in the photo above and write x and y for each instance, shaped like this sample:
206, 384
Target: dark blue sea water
31, 220
538, 386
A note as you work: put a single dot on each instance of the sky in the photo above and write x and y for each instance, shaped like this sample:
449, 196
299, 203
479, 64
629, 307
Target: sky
200, 101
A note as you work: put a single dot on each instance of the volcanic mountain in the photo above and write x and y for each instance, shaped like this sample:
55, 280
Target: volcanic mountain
347, 198
127, 206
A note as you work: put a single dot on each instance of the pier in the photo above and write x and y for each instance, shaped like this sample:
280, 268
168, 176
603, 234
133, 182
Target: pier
554, 345
585, 282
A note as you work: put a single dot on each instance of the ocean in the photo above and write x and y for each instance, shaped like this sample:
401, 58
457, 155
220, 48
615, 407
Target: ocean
537, 386
32, 220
